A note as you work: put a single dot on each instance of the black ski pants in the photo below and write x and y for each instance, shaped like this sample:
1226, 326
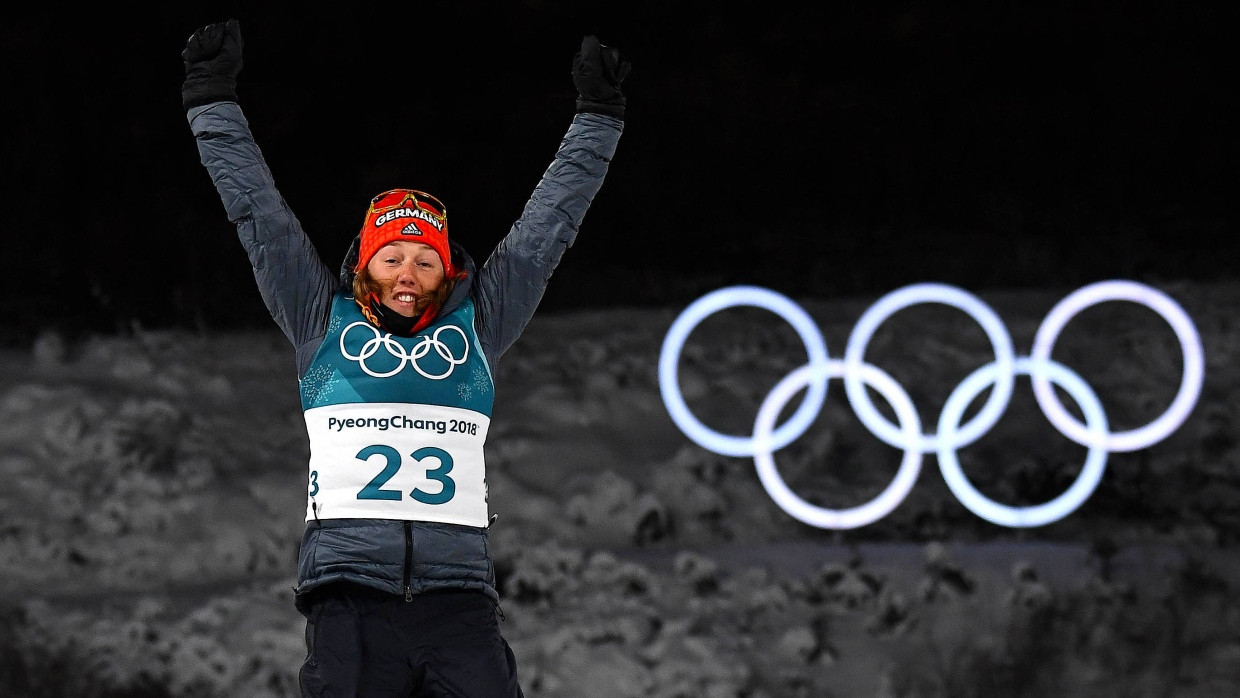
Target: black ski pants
364, 643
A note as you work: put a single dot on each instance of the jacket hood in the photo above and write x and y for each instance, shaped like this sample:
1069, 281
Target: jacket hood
460, 259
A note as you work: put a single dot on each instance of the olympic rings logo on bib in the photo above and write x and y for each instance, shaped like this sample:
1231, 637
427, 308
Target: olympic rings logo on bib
394, 348
950, 435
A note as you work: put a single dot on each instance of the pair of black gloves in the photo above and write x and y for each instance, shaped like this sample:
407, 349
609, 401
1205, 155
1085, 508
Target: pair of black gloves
212, 58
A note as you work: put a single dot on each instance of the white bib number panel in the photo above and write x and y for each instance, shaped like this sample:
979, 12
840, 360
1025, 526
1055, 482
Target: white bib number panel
397, 461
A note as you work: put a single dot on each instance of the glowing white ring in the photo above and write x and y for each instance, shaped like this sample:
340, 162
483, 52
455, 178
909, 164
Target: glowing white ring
789, 501
1000, 373
1036, 515
712, 303
1190, 381
888, 305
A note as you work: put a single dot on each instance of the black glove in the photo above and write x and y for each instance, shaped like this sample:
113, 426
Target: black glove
212, 58
598, 71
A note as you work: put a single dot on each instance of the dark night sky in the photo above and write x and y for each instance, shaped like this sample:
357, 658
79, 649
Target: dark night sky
848, 151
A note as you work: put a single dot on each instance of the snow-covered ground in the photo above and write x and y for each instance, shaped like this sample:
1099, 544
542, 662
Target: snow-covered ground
154, 488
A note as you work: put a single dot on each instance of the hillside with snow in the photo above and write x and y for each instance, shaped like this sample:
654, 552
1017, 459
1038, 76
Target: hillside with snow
155, 493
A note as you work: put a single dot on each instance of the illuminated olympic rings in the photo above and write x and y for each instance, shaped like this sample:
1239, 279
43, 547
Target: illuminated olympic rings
950, 435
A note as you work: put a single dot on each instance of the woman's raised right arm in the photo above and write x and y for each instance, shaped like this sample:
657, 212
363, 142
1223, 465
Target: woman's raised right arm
295, 284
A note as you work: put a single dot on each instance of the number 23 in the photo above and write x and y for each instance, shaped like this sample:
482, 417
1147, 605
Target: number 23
374, 489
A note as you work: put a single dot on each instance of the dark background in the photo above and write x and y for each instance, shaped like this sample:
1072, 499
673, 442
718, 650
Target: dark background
839, 149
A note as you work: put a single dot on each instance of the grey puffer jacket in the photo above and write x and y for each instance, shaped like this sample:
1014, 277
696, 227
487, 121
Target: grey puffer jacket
400, 557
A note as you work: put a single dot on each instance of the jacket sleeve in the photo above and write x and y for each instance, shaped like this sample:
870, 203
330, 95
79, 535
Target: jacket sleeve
295, 284
511, 282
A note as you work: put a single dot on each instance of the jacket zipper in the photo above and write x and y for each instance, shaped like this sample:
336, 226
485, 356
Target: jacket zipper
408, 560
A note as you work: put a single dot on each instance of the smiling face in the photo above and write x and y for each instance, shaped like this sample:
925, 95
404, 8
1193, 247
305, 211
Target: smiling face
407, 275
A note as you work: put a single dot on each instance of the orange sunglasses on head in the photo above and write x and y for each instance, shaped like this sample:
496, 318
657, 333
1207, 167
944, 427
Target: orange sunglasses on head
407, 198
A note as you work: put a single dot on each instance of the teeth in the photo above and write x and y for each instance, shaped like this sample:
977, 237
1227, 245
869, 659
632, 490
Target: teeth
406, 297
